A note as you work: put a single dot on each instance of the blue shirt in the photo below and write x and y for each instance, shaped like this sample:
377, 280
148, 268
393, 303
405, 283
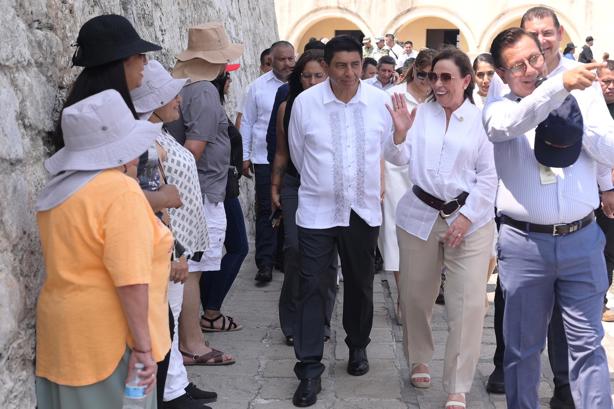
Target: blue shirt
271, 132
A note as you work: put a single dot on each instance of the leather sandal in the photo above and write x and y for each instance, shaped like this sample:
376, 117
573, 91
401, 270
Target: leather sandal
228, 324
414, 378
213, 358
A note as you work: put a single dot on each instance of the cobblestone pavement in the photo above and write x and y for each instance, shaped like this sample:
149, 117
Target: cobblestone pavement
263, 376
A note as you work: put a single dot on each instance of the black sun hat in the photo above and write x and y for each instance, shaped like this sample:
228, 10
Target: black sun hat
107, 38
558, 139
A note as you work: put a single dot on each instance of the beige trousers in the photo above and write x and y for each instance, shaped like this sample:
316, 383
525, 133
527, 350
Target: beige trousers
466, 274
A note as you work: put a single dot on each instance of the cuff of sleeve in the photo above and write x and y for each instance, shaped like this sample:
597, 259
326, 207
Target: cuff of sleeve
465, 211
605, 184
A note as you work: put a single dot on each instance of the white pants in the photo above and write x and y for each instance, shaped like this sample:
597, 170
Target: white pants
216, 227
177, 377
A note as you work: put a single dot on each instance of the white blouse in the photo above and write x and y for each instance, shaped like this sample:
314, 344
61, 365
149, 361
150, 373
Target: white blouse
445, 163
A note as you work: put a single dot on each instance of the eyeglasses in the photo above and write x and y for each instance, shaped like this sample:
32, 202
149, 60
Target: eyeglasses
445, 77
318, 75
421, 75
483, 74
519, 69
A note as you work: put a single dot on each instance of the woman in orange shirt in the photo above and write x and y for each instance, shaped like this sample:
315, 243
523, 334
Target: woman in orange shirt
103, 305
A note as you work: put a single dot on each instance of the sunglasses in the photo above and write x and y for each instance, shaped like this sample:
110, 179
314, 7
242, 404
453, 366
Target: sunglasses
445, 77
422, 75
318, 75
483, 74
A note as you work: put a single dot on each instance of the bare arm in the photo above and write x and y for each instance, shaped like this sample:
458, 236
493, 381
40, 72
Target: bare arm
135, 304
282, 155
196, 147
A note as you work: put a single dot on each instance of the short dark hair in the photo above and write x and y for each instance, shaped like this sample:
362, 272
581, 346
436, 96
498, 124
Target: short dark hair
281, 43
390, 35
266, 52
341, 43
314, 45
386, 59
484, 57
461, 60
408, 42
609, 64
589, 39
506, 39
539, 12
368, 61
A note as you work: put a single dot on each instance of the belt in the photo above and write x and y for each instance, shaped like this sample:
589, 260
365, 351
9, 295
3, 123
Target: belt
445, 209
560, 229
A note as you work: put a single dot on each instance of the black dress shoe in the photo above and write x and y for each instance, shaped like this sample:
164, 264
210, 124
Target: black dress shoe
185, 401
358, 363
307, 392
264, 275
496, 382
196, 393
562, 398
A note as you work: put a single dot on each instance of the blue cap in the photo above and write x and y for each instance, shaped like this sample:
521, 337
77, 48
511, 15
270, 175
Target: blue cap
558, 139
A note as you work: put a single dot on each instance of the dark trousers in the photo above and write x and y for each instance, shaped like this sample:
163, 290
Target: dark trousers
214, 285
557, 342
356, 245
266, 237
607, 226
289, 296
163, 365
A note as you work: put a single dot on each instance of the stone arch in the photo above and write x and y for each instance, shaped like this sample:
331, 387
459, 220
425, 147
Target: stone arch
422, 12
506, 18
302, 25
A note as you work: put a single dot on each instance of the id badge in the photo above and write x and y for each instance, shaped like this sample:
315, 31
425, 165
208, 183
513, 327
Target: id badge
546, 175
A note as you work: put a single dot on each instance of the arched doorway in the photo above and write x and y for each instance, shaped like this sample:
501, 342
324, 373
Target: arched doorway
432, 32
328, 28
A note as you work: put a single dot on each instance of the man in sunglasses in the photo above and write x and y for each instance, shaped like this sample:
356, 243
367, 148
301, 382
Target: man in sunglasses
550, 251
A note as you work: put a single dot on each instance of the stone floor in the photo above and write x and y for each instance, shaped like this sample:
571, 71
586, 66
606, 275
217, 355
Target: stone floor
263, 376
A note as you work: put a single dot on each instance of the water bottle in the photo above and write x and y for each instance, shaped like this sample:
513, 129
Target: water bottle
134, 394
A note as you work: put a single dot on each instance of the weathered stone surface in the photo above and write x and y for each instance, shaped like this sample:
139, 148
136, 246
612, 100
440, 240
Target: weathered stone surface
35, 73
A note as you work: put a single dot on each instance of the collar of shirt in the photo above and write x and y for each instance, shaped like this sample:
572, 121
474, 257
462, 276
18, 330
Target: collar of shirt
328, 96
270, 76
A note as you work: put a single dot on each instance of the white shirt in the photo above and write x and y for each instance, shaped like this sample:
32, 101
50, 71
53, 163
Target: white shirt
336, 148
376, 83
510, 125
498, 90
395, 51
257, 107
404, 57
445, 163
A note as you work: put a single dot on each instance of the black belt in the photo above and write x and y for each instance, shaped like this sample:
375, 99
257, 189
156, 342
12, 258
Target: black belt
445, 209
560, 229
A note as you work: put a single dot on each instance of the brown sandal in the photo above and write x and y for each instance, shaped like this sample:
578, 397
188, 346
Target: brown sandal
213, 358
228, 324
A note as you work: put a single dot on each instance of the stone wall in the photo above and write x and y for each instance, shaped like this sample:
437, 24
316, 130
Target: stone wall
34, 75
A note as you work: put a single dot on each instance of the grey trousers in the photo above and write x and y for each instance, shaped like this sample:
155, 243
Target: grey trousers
536, 271
106, 394
288, 298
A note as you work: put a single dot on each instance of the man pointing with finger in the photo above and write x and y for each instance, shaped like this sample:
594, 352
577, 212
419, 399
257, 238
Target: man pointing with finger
550, 248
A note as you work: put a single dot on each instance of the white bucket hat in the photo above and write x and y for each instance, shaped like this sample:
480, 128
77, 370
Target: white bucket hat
157, 89
100, 132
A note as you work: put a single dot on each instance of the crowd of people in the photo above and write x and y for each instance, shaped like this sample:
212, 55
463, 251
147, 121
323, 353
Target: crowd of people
450, 167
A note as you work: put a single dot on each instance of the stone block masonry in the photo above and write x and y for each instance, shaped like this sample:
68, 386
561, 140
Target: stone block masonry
35, 73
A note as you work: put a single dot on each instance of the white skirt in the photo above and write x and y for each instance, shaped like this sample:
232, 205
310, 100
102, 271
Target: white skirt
397, 183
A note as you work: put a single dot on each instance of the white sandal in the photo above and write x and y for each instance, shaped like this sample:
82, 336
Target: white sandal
455, 403
413, 379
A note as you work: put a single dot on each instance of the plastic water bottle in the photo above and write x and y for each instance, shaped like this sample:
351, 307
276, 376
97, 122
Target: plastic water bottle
134, 394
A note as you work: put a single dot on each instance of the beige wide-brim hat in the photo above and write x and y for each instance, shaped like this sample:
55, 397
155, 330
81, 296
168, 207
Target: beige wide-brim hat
197, 70
210, 42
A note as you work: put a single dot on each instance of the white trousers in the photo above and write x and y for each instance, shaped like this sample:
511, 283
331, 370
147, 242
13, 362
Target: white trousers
177, 377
